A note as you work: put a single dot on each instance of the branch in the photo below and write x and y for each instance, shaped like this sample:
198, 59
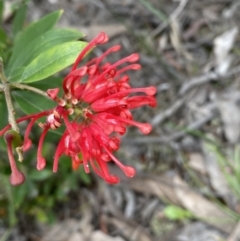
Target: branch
6, 89
172, 18
189, 85
11, 110
30, 88
174, 137
158, 119
235, 233
203, 79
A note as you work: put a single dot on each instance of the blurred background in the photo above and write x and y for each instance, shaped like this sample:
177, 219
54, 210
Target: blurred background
187, 186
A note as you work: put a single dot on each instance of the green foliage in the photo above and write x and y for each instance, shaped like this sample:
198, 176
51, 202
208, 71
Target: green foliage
1, 9
32, 32
51, 61
19, 19
45, 42
31, 103
16, 74
3, 39
230, 166
42, 190
176, 213
33, 54
48, 83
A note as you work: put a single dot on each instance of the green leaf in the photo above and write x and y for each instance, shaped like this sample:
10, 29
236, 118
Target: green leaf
52, 61
175, 213
46, 41
85, 177
48, 83
16, 74
3, 35
32, 32
1, 10
20, 194
19, 19
40, 175
3, 42
41, 214
32, 103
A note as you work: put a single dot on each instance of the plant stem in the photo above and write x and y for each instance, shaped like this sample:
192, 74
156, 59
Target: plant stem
24, 87
6, 89
11, 111
27, 87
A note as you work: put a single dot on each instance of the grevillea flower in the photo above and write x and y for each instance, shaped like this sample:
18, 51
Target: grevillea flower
95, 109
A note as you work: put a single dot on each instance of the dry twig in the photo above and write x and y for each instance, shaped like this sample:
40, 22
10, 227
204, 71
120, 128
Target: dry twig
169, 140
172, 17
203, 79
234, 236
158, 119
189, 85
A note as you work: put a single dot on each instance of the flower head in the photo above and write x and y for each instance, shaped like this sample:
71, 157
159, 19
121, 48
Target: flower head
95, 110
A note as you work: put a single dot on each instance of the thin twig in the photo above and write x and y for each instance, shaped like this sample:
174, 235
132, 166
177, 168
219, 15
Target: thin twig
174, 137
203, 79
30, 88
6, 89
192, 83
158, 119
172, 17
11, 111
234, 236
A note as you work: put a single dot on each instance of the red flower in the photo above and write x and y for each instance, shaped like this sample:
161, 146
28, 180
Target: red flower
13, 139
95, 109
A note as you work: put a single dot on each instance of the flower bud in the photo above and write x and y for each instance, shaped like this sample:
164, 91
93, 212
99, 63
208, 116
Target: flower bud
13, 137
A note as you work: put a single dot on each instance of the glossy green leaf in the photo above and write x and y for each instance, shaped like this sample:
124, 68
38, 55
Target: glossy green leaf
16, 74
48, 83
32, 32
32, 103
19, 19
46, 41
52, 61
